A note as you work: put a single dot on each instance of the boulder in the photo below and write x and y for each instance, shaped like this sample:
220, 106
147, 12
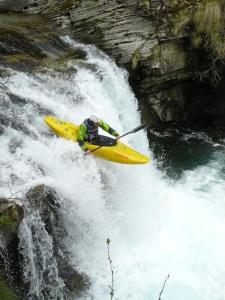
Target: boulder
11, 214
46, 201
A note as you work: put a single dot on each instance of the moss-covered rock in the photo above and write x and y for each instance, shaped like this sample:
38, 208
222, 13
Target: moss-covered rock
6, 292
11, 214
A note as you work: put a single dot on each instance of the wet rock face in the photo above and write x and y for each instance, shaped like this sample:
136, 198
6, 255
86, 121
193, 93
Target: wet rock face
169, 104
31, 41
115, 26
161, 84
11, 214
45, 200
75, 282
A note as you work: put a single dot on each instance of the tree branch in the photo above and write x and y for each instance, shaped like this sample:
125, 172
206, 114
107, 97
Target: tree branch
164, 284
111, 287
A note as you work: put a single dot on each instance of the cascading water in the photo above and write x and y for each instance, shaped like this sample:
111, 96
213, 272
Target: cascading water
157, 226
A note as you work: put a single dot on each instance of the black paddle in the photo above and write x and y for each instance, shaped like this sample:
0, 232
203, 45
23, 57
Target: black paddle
132, 131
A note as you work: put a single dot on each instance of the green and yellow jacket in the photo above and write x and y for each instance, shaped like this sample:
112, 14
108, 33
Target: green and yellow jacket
89, 132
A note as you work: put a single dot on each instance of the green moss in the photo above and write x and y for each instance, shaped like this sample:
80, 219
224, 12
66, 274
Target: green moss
156, 52
145, 4
180, 21
16, 21
135, 59
6, 293
60, 62
9, 218
5, 221
15, 57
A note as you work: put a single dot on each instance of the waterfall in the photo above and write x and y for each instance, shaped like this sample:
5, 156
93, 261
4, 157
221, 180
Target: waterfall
157, 226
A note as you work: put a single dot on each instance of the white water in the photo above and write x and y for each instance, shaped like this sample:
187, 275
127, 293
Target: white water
156, 226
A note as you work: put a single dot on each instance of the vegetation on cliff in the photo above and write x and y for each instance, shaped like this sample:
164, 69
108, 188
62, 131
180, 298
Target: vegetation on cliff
205, 23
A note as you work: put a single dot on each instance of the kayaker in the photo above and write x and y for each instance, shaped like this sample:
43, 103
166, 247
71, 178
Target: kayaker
88, 132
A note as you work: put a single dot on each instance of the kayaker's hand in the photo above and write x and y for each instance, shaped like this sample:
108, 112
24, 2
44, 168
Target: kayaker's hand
87, 152
117, 137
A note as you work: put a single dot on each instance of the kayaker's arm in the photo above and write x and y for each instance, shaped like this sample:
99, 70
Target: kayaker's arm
108, 129
81, 135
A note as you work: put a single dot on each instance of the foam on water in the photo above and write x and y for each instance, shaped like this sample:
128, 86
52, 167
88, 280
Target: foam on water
156, 226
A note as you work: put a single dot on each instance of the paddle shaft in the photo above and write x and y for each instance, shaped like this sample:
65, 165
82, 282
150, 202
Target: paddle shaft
132, 131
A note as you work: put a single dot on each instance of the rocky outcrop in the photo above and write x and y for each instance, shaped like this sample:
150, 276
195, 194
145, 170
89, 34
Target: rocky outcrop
45, 200
11, 214
137, 35
32, 41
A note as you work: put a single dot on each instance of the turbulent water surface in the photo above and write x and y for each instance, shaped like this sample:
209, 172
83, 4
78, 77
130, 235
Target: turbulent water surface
157, 226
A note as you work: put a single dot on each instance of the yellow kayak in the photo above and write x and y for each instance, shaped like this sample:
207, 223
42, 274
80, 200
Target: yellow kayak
119, 153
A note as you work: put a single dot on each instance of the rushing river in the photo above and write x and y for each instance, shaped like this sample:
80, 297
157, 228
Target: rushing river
157, 225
